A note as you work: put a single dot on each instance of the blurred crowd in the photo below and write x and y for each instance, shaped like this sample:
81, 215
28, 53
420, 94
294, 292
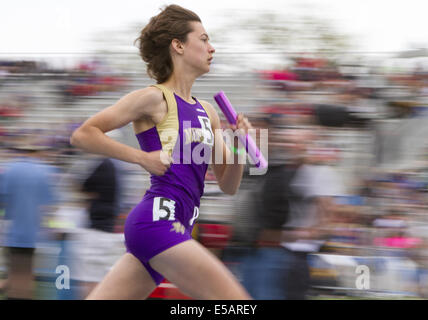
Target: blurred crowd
333, 199
346, 186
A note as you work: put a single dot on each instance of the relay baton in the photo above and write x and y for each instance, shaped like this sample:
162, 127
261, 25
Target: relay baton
231, 116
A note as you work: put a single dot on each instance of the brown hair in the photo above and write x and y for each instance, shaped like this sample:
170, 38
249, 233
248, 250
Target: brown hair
156, 36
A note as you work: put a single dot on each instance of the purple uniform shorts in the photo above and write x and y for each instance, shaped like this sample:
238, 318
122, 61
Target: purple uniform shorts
158, 223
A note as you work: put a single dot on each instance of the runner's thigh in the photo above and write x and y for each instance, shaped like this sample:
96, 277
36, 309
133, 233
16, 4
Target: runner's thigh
197, 272
128, 279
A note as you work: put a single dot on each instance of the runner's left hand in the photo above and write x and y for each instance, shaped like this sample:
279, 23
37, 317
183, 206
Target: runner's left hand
242, 124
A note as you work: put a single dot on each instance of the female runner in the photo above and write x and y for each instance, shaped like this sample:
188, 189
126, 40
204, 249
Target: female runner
177, 134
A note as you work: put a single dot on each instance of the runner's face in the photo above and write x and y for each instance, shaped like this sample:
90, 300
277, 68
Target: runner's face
198, 52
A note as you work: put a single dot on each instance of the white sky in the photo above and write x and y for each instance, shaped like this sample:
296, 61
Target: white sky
65, 26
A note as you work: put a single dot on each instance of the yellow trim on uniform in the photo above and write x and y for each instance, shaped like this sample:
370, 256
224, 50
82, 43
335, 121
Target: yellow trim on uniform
169, 126
203, 104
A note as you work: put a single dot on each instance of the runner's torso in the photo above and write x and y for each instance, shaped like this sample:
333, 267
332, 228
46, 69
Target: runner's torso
185, 134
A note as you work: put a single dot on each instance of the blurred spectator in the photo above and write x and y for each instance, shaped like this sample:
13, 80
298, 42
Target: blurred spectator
26, 187
315, 186
97, 247
102, 184
297, 202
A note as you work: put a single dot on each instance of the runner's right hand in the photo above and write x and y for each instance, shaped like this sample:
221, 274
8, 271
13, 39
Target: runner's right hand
156, 162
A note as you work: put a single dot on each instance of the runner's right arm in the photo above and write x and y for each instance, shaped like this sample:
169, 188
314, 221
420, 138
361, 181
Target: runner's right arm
91, 137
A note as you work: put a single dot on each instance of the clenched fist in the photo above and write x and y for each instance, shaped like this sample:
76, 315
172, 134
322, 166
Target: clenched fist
156, 162
242, 124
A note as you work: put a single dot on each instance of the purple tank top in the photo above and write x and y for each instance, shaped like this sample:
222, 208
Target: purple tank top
185, 134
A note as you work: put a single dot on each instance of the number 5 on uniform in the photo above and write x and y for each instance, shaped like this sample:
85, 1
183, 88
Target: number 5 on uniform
163, 209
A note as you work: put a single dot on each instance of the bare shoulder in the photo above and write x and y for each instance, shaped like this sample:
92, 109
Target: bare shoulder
148, 97
143, 102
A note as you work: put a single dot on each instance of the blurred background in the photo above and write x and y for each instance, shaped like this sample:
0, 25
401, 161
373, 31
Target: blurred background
342, 89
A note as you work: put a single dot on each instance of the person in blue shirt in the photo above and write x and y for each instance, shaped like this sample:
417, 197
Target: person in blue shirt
26, 189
